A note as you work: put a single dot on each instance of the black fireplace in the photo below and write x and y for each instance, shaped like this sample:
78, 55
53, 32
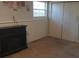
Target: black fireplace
12, 39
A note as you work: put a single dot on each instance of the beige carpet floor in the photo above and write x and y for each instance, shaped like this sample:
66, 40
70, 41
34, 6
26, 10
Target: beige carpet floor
48, 47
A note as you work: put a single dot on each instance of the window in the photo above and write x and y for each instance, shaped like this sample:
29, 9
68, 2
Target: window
39, 9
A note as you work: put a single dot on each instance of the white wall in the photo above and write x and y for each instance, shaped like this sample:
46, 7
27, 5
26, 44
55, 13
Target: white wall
36, 29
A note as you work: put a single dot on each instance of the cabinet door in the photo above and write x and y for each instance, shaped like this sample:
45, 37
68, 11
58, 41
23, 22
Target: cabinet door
56, 21
16, 39
0, 47
70, 21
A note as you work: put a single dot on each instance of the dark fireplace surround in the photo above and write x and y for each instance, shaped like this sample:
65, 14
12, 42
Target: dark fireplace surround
12, 39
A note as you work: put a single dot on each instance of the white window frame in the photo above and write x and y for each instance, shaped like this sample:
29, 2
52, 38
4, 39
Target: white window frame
40, 10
